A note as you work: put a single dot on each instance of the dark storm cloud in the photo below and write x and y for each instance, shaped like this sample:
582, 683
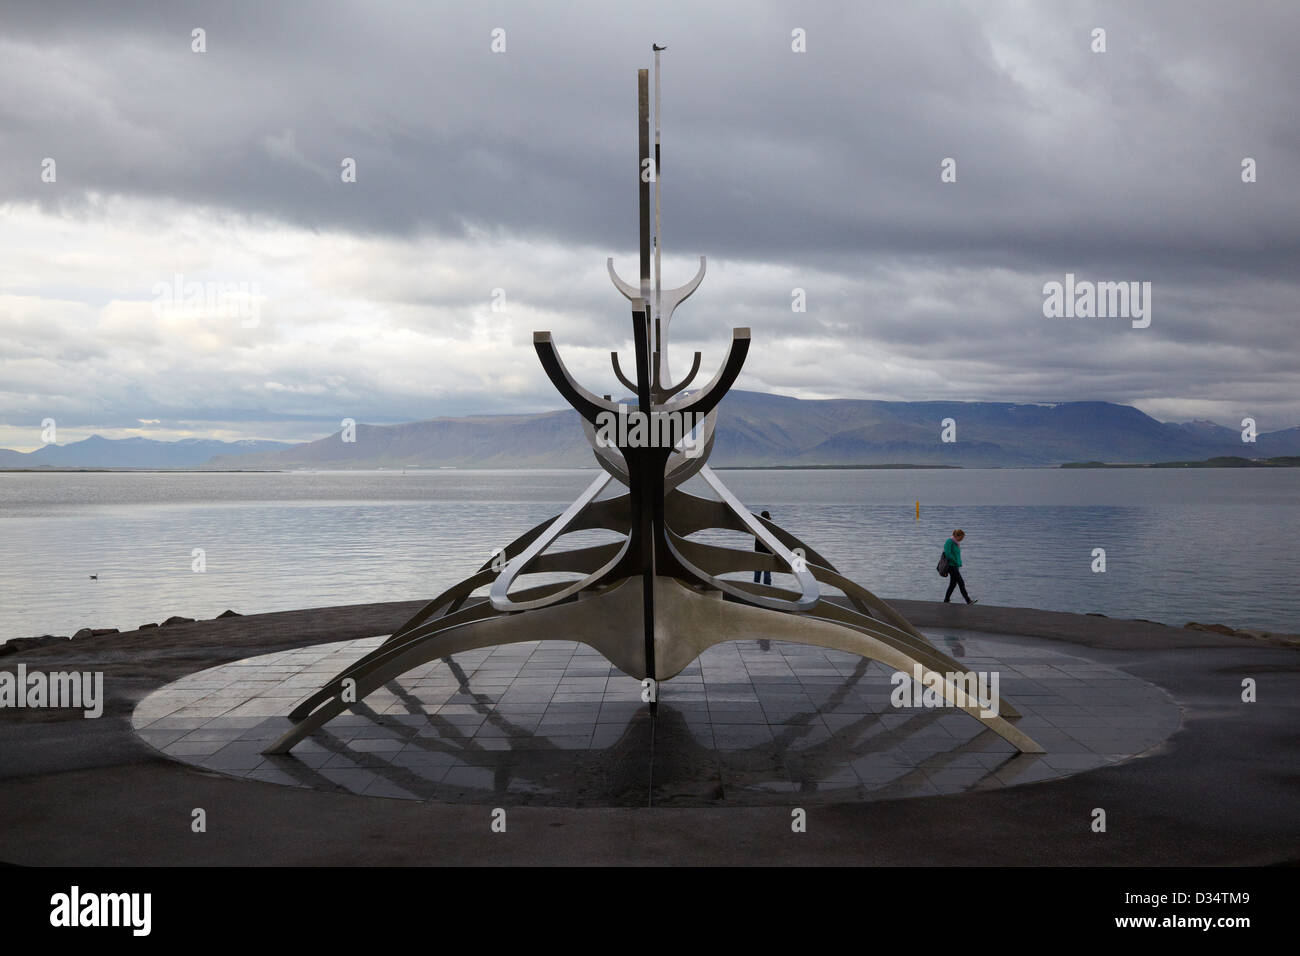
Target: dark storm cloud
1064, 155
824, 165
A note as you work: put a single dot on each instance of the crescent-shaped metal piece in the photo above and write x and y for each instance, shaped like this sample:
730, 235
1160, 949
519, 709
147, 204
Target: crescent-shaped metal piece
809, 591
667, 392
629, 290
668, 303
500, 592
670, 299
588, 404
618, 370
680, 466
707, 398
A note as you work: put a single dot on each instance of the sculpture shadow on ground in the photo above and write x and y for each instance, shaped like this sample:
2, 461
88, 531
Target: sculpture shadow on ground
681, 758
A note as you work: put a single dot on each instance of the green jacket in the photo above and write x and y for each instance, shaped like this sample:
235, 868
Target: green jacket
953, 550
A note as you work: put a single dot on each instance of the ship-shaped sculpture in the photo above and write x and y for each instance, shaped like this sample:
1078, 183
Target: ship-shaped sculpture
654, 600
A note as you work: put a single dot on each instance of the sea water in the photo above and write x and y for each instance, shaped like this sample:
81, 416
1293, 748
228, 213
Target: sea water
1209, 545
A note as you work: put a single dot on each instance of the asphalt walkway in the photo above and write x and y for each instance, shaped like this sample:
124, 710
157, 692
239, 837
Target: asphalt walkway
1222, 790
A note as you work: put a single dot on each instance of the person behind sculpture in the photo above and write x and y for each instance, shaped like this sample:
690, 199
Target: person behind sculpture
758, 546
952, 551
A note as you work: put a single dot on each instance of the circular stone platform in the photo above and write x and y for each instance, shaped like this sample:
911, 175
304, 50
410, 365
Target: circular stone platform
749, 723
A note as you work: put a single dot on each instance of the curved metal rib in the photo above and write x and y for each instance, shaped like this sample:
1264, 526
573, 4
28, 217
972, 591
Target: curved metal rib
707, 398
607, 456
668, 302
588, 621
665, 391
618, 370
687, 513
629, 290
679, 468
608, 513
588, 405
500, 593
672, 298
805, 599
810, 593
682, 466
692, 623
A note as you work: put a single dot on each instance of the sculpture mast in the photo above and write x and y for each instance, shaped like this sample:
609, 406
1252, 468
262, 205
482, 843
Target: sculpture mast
650, 300
644, 172
657, 344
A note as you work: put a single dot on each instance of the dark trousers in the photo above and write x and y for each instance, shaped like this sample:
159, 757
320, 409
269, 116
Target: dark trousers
766, 575
955, 581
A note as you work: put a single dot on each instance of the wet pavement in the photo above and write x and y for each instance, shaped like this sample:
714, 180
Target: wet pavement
1219, 791
751, 723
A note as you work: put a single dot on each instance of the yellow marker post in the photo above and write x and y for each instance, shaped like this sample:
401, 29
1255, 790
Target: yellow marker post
918, 511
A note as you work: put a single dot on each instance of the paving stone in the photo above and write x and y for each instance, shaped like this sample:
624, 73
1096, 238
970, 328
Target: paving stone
750, 723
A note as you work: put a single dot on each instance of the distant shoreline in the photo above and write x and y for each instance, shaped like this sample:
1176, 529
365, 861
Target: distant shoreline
53, 470
1227, 461
826, 467
1288, 461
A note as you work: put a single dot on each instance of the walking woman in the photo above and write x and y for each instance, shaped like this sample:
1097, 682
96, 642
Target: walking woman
952, 551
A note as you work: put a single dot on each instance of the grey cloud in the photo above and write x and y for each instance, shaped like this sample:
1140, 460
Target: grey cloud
1118, 165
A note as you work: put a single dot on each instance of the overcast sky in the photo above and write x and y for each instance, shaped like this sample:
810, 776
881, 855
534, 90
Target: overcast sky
478, 170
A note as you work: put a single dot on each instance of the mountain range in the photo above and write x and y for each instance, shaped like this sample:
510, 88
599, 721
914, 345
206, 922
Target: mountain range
754, 430
97, 452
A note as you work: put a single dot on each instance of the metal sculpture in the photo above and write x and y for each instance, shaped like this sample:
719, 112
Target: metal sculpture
653, 601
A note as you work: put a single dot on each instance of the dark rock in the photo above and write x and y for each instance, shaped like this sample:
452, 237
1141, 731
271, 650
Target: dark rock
84, 632
26, 643
177, 619
228, 613
1213, 628
1269, 637
1095, 614
144, 626
99, 631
